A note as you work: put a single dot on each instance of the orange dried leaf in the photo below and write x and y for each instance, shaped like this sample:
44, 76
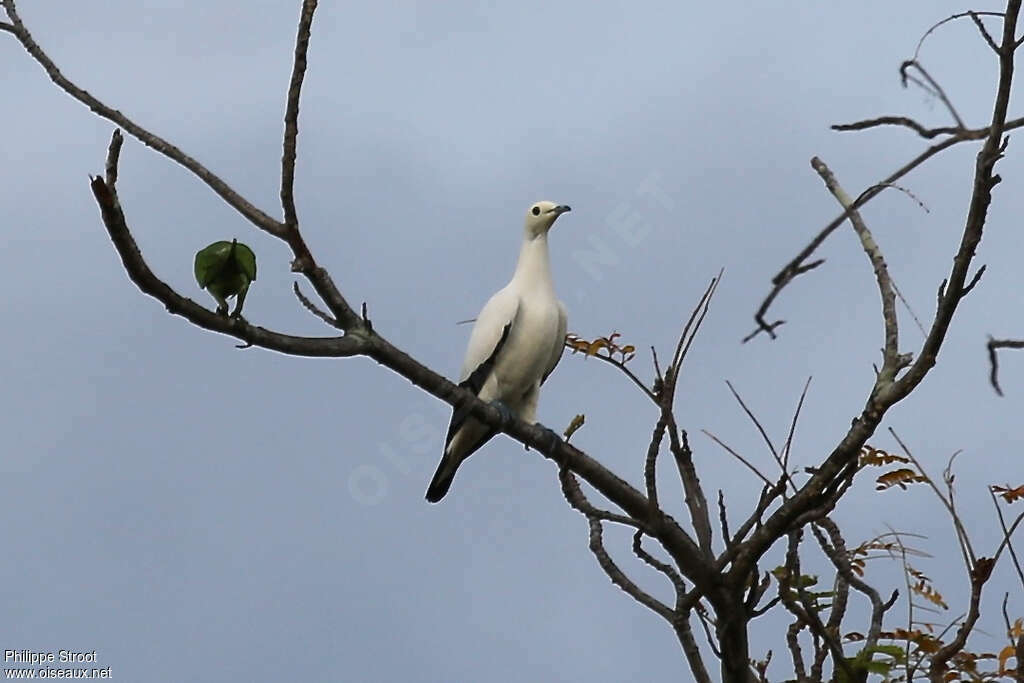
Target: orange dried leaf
597, 345
1004, 657
877, 457
900, 477
929, 593
1010, 495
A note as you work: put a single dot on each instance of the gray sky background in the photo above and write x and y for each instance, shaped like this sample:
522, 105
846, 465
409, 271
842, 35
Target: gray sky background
193, 511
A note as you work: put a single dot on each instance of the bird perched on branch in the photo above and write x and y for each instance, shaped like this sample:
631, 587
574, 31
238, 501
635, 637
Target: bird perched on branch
226, 269
516, 342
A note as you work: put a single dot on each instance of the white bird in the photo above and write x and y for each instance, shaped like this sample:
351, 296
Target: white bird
516, 342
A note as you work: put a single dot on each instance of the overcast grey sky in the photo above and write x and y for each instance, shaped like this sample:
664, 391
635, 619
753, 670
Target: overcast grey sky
192, 511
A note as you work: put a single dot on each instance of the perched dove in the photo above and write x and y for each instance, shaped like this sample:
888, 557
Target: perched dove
516, 342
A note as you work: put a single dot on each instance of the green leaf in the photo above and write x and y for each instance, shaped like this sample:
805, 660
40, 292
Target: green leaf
878, 666
895, 651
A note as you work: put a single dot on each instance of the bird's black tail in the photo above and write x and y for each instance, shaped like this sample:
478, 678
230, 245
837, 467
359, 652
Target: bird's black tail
442, 480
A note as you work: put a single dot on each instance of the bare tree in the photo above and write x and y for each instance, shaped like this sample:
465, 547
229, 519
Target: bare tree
713, 568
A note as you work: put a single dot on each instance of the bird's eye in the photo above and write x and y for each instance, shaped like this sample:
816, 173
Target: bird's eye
536, 211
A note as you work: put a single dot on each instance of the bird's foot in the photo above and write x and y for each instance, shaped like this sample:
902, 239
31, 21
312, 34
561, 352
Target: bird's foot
551, 438
506, 413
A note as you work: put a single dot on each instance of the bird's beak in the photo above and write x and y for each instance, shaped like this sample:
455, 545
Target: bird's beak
559, 210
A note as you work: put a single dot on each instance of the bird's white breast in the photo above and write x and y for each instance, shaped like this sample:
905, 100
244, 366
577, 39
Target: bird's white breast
528, 348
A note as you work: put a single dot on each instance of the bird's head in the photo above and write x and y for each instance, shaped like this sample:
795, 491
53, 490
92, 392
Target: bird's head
541, 216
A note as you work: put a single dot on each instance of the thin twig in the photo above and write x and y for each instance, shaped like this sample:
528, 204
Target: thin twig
910, 310
993, 346
685, 340
312, 308
723, 517
961, 15
739, 457
621, 366
764, 434
1006, 535
757, 423
933, 87
787, 447
963, 540
1018, 646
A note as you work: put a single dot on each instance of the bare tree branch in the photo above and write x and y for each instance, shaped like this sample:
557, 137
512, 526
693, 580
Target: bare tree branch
236, 201
904, 121
690, 648
729, 582
976, 18
149, 283
797, 265
795, 651
840, 557
890, 356
291, 117
651, 463
574, 494
363, 341
693, 493
846, 452
801, 606
668, 570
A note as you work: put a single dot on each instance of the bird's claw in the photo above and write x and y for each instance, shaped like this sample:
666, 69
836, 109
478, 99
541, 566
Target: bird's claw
506, 413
